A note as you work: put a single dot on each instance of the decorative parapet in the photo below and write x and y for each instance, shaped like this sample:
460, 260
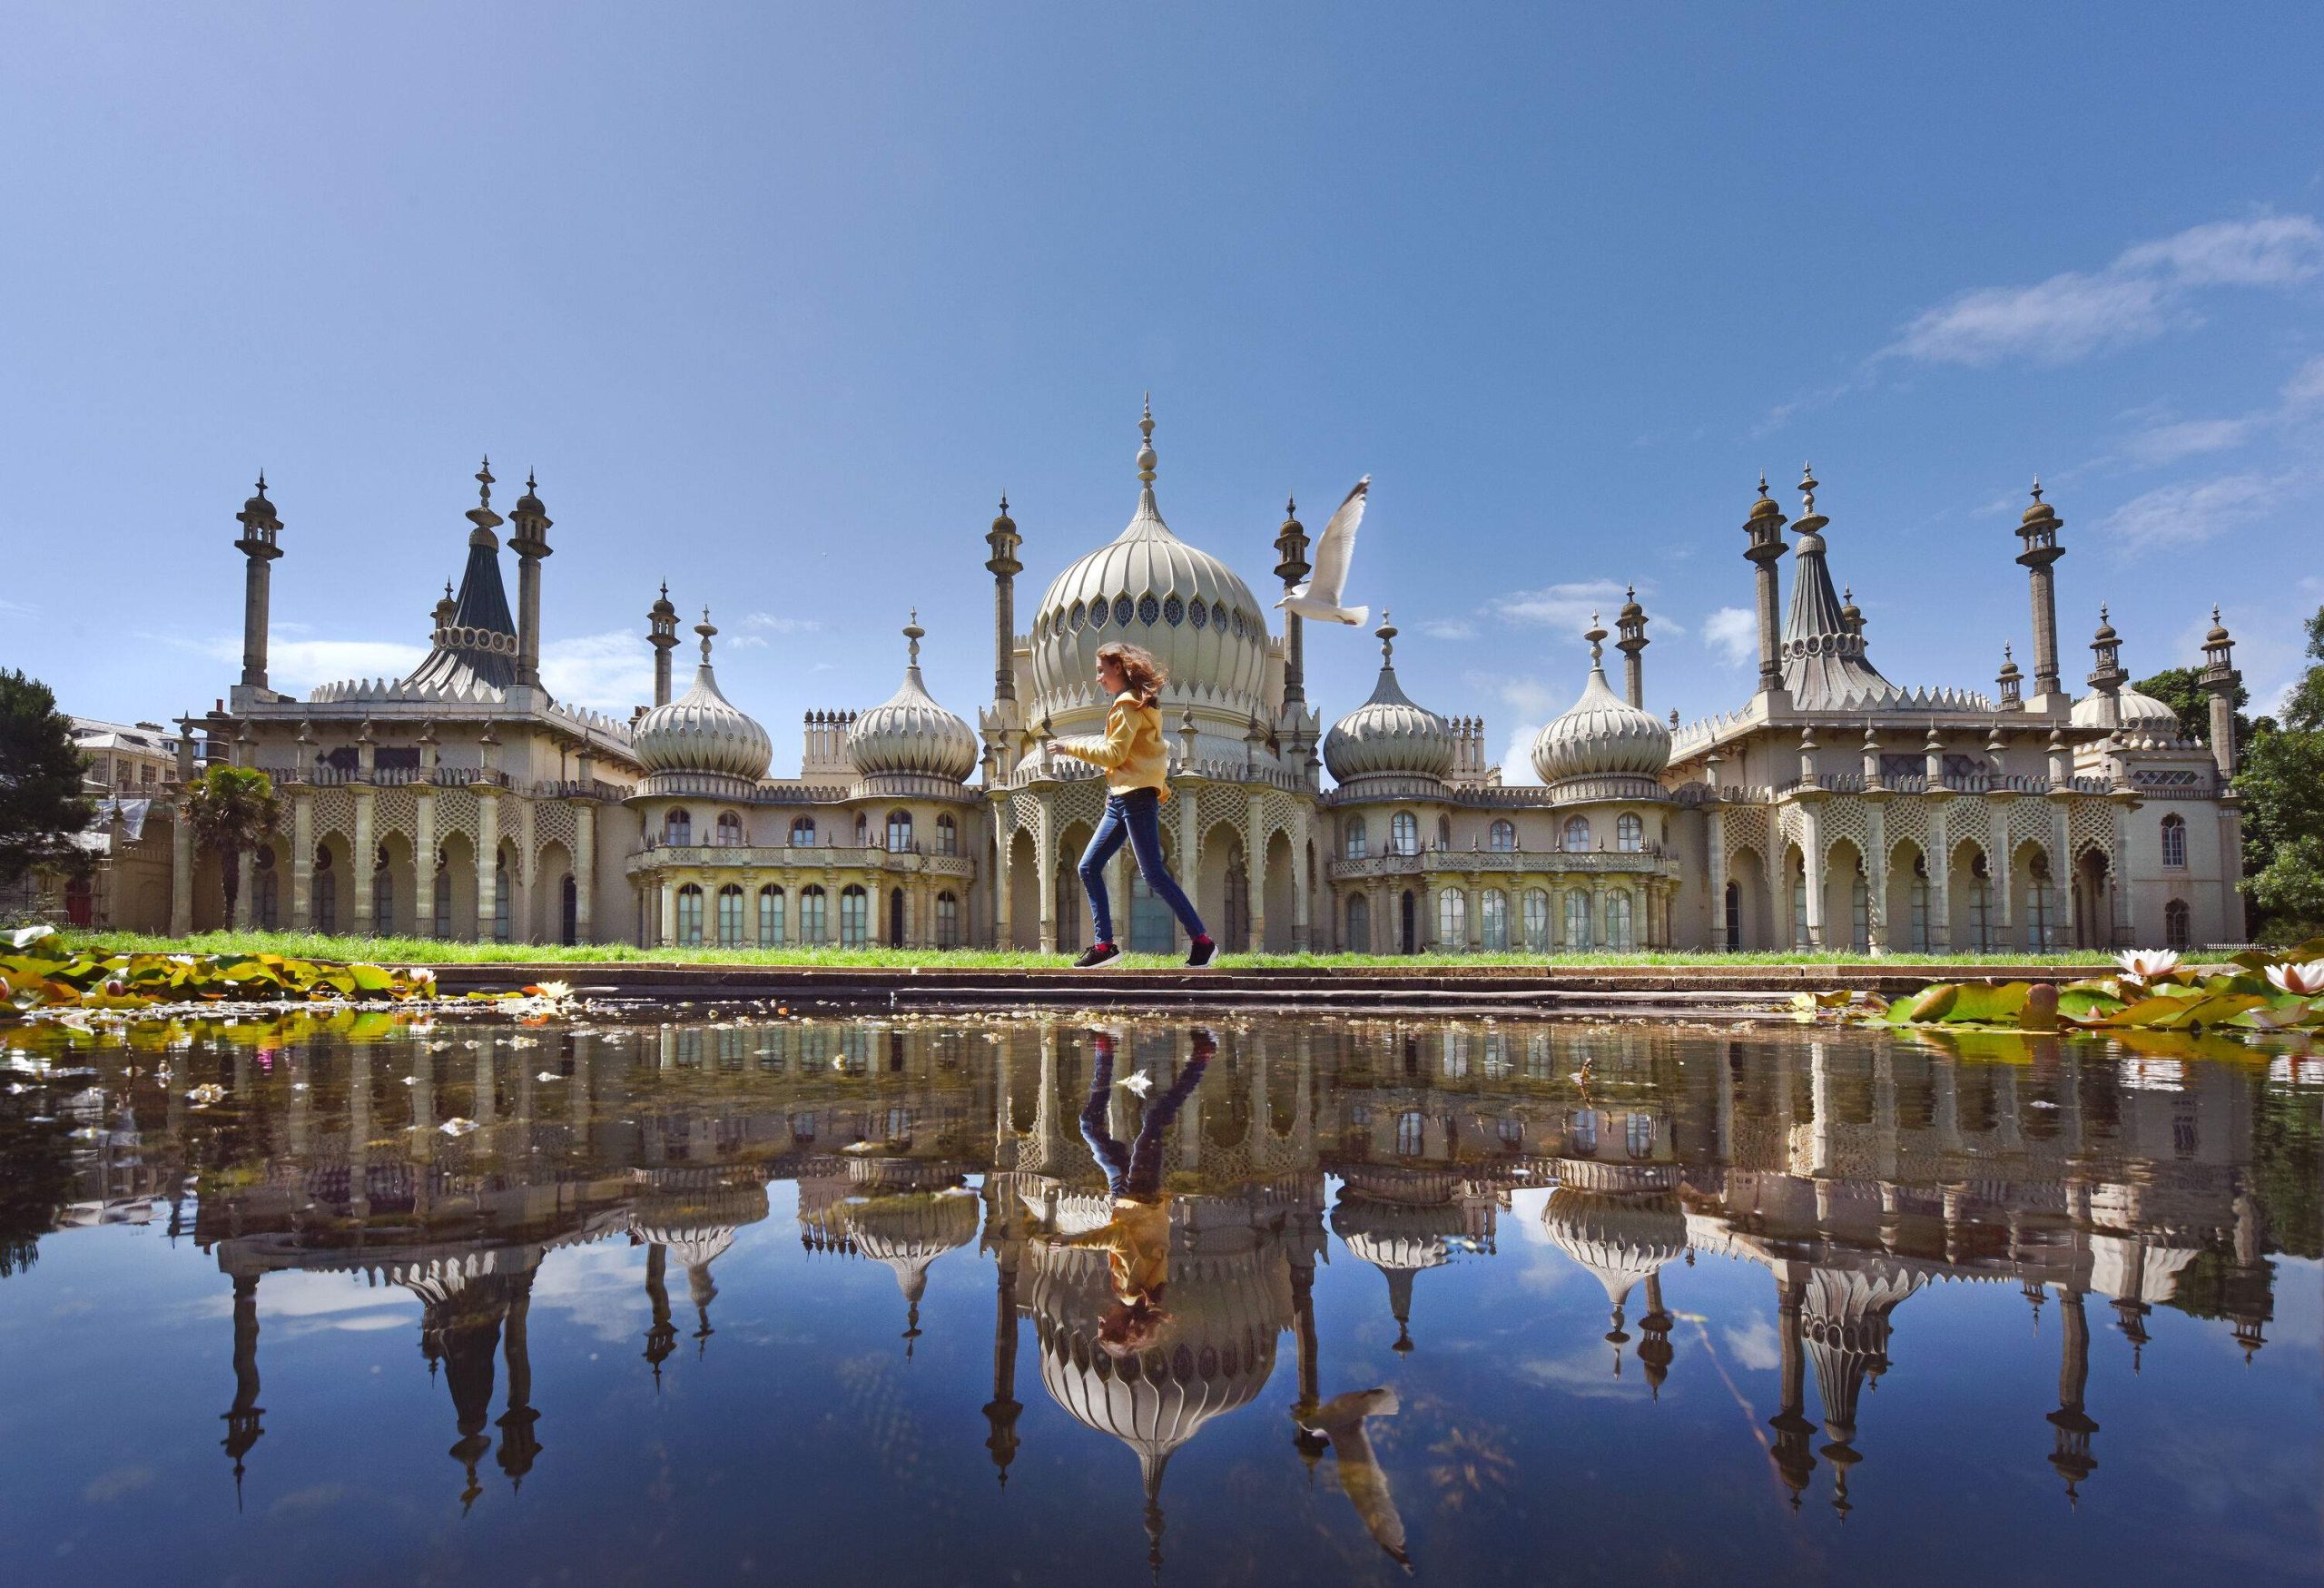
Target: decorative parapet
1652, 861
655, 858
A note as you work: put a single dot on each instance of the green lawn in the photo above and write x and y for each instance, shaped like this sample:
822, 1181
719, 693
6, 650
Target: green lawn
421, 950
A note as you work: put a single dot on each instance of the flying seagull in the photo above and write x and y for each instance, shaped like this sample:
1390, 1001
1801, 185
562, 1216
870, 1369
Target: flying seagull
1319, 598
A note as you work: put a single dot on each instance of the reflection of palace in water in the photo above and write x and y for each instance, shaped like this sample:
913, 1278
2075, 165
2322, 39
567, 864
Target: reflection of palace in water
2098, 1185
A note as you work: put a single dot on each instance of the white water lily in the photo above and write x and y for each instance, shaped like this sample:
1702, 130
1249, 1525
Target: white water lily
2145, 966
2301, 981
1136, 1080
457, 1125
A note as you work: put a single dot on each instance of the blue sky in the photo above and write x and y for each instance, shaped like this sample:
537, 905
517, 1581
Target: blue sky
777, 300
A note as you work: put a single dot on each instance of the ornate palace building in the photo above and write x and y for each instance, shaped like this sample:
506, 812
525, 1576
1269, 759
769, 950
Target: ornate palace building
1833, 809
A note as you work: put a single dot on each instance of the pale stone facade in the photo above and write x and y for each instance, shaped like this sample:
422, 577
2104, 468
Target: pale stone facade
1833, 810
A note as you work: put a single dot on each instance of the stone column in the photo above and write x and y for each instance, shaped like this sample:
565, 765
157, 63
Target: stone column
246, 889
1876, 877
1256, 860
1939, 861
1004, 842
1302, 927
1811, 855
1474, 910
668, 934
521, 926
423, 863
1717, 832
367, 851
585, 871
303, 859
488, 850
181, 837
1045, 863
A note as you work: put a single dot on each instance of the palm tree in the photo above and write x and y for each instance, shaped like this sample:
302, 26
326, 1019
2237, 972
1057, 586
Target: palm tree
232, 810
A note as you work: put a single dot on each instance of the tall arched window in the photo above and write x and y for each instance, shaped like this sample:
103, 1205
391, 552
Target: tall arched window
1734, 915
1412, 1127
1404, 834
690, 913
812, 923
1577, 833
770, 902
1981, 906
947, 921
1620, 934
948, 836
2178, 925
2039, 916
1353, 838
1629, 834
1917, 902
270, 891
1452, 920
1444, 832
898, 831
1638, 1134
443, 900
730, 915
1501, 837
383, 897
1493, 909
1860, 911
854, 916
1577, 918
1537, 922
862, 831
677, 828
1582, 1133
325, 890
730, 830
2174, 841
1359, 925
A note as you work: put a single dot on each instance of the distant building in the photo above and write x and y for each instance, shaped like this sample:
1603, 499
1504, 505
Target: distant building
1831, 809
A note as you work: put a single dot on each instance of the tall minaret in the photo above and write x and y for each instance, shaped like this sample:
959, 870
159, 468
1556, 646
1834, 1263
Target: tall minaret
2220, 680
2108, 676
530, 543
244, 1428
1764, 526
2071, 1458
1004, 568
2039, 530
662, 633
1290, 547
1631, 621
260, 524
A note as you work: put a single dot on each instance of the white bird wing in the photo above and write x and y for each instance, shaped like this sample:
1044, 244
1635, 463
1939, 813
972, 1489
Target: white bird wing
1337, 546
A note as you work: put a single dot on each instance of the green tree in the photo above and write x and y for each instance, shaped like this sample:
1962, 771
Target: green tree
41, 806
233, 812
2182, 689
2281, 779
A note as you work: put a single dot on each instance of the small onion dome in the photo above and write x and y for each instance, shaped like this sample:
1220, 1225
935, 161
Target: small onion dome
701, 732
910, 735
258, 506
2219, 635
1388, 735
1601, 734
1619, 1239
1765, 507
2041, 512
2139, 714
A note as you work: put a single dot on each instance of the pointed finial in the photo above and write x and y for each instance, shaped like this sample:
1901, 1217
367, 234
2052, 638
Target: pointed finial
706, 628
1763, 482
912, 632
2038, 487
1146, 443
1596, 636
1387, 633
1004, 504
2005, 654
484, 483
261, 482
1807, 484
447, 589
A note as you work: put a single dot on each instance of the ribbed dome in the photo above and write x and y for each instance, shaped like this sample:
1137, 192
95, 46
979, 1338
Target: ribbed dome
908, 735
1619, 1240
910, 1232
2141, 713
1388, 735
1150, 588
702, 732
1601, 734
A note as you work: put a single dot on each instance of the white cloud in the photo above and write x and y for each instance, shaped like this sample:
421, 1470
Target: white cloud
1567, 606
607, 672
1756, 1347
1448, 628
2190, 513
1517, 760
2075, 313
1732, 634
2162, 444
774, 624
2306, 388
746, 642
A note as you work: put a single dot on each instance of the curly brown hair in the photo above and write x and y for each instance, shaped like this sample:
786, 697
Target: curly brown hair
1142, 676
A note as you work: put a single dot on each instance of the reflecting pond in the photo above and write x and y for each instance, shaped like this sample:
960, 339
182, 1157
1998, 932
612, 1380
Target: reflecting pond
723, 1297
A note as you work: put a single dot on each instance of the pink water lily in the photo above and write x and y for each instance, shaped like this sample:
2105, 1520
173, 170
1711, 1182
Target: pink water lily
2147, 966
2301, 981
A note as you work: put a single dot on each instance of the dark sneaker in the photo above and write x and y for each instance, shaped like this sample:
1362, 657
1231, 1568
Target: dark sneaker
1095, 954
1199, 952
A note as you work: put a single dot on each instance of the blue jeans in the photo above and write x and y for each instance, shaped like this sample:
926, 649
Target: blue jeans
1136, 816
1136, 1171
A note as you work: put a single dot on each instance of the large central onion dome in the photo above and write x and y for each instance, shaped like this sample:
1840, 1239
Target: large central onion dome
702, 736
910, 735
1602, 746
1150, 588
1388, 735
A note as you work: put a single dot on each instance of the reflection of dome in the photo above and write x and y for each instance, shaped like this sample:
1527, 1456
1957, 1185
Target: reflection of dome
910, 735
1621, 1240
910, 1232
2141, 714
1388, 735
1149, 588
702, 733
1400, 1239
1602, 735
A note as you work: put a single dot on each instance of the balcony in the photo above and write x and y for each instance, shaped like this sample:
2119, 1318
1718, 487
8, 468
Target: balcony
805, 858
1456, 862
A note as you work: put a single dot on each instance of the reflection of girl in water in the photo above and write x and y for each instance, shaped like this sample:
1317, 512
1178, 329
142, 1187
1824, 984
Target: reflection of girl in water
1136, 1239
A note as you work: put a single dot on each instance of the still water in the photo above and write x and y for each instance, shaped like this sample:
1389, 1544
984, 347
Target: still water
991, 1300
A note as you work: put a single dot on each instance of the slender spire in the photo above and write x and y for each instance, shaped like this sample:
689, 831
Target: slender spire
912, 633
1387, 634
1596, 635
1146, 459
706, 628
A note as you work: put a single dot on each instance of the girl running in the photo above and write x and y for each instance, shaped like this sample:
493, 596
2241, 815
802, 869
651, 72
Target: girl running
1138, 782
